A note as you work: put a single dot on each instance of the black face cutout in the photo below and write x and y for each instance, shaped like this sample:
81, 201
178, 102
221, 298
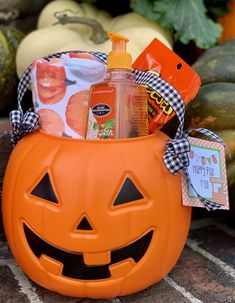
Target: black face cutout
128, 193
73, 263
84, 224
45, 190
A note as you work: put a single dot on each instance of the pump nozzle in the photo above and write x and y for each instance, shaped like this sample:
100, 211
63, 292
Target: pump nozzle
118, 57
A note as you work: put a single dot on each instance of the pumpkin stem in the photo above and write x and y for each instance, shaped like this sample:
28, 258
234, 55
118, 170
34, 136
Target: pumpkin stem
98, 36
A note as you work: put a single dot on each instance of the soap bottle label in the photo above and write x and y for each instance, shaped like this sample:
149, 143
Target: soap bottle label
101, 119
137, 113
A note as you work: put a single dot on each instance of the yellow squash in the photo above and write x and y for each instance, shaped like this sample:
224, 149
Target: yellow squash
51, 36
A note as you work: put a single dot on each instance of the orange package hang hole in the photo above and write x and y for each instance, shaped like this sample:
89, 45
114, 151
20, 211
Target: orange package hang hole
91, 218
159, 59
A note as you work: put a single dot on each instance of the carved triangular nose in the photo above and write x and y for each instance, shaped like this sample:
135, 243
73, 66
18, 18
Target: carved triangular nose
84, 224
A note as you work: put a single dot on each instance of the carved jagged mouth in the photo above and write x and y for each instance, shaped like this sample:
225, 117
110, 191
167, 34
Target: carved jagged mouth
73, 263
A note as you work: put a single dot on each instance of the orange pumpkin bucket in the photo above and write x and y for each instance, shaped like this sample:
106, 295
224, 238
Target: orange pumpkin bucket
90, 218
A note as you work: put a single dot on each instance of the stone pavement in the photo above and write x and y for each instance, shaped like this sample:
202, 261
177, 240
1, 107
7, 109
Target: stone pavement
205, 272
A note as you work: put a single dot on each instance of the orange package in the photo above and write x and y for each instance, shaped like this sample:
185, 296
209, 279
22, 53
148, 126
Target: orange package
158, 58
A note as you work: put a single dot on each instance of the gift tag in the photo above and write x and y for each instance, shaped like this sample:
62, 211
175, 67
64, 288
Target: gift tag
207, 173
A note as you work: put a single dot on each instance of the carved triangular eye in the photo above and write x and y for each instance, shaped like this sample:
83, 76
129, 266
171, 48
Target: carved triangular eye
45, 190
128, 193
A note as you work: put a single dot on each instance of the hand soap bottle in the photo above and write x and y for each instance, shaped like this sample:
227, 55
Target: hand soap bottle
118, 106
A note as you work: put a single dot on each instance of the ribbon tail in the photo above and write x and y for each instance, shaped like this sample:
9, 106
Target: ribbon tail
209, 205
14, 137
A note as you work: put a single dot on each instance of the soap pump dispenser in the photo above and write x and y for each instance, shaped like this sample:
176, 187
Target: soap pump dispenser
118, 106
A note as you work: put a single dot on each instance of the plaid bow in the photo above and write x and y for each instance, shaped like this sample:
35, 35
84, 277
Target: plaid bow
176, 155
22, 124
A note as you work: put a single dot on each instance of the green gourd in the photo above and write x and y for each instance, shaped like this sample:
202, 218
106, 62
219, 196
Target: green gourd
10, 38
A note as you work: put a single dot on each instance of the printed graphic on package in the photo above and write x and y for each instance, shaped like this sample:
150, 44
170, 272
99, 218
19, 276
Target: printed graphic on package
207, 172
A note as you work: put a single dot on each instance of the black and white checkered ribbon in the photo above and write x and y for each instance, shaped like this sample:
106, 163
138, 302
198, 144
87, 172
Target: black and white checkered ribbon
176, 151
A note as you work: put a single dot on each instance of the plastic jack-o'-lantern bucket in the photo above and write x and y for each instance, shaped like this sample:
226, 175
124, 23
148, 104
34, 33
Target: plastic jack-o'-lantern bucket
93, 218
